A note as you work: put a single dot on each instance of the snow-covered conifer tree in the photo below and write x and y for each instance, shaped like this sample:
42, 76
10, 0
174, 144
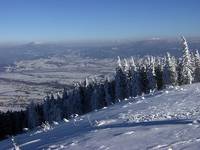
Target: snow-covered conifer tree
120, 82
32, 116
76, 99
135, 79
109, 91
94, 100
179, 71
51, 109
186, 70
197, 67
151, 73
65, 103
54, 111
87, 90
159, 73
169, 72
98, 96
127, 72
46, 108
143, 79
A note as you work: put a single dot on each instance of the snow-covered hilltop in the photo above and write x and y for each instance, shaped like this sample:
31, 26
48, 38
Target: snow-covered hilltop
168, 119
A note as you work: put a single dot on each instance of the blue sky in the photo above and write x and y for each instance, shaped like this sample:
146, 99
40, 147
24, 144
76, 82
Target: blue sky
62, 20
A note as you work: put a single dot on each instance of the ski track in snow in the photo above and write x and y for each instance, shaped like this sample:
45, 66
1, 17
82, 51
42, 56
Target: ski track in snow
166, 120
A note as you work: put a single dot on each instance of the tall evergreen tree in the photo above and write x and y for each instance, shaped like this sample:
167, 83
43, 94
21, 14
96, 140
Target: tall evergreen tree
109, 91
135, 79
120, 82
179, 71
144, 80
76, 99
65, 103
151, 74
88, 90
32, 116
197, 67
159, 73
127, 72
169, 72
98, 96
51, 109
94, 100
186, 70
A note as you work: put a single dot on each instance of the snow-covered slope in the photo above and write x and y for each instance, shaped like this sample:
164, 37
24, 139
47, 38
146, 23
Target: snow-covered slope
166, 120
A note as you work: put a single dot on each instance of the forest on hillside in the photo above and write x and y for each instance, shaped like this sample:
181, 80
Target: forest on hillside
133, 77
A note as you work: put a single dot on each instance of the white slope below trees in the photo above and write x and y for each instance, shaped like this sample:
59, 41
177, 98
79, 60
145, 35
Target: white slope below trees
167, 120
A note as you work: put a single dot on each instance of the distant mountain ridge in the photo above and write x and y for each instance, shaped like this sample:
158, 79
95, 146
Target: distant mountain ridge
33, 50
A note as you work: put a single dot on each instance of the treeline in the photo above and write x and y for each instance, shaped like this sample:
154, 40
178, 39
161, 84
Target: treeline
133, 77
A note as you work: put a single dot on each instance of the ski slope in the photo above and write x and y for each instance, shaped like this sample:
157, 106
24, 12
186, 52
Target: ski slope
165, 120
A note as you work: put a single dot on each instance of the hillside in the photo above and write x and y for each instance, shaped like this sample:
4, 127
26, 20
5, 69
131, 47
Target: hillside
164, 120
